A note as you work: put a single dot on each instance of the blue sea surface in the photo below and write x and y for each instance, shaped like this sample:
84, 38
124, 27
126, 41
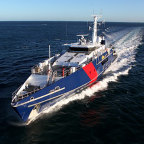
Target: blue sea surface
109, 112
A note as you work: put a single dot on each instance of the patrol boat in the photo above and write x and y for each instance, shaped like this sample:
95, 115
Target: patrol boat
62, 75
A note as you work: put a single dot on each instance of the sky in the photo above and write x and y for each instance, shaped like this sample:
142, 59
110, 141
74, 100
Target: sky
71, 10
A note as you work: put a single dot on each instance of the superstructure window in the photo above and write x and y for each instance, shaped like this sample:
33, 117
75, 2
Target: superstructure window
81, 49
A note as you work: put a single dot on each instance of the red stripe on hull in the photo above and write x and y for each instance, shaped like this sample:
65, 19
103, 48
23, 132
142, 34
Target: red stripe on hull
91, 72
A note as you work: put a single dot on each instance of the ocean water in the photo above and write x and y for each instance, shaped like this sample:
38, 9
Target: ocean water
110, 111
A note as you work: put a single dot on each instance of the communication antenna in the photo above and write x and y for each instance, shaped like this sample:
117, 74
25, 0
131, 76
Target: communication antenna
49, 52
66, 29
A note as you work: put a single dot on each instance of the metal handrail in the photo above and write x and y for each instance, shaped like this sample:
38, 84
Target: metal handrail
20, 97
16, 90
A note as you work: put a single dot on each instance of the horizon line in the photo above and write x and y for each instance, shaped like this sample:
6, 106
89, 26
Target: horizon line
65, 21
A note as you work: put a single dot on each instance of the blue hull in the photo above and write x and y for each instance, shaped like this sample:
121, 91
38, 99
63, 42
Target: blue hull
55, 92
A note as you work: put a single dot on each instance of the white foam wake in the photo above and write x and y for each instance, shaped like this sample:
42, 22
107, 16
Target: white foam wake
125, 48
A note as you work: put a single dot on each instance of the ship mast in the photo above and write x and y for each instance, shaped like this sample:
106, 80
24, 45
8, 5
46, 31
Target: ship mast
94, 36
